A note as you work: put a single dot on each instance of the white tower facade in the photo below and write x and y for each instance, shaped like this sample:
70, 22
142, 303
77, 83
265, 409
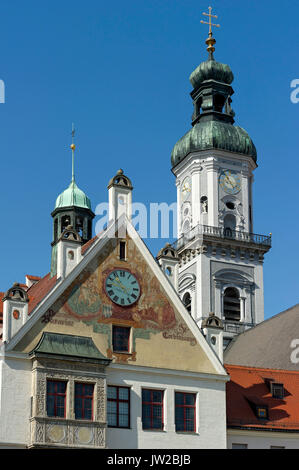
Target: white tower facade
220, 257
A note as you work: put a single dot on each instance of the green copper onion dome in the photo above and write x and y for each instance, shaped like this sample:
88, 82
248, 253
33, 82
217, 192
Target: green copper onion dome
73, 196
213, 117
211, 70
208, 135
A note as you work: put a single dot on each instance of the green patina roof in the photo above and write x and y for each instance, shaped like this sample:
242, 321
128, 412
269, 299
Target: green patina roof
70, 346
208, 135
73, 196
211, 70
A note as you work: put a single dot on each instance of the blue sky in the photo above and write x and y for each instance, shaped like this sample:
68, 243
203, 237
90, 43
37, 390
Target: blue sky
120, 71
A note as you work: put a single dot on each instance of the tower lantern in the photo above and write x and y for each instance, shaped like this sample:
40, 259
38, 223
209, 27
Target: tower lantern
72, 208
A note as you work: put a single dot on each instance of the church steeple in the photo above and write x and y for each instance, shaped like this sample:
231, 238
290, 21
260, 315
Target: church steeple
72, 208
219, 257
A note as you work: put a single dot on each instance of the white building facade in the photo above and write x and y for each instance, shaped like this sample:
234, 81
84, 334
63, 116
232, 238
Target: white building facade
220, 258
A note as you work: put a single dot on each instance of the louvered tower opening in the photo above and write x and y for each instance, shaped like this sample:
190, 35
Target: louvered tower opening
231, 304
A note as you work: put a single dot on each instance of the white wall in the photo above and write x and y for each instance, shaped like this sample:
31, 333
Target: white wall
15, 393
16, 390
262, 439
210, 419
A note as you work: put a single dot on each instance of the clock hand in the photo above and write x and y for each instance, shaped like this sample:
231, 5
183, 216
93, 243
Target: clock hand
231, 182
117, 285
227, 179
120, 285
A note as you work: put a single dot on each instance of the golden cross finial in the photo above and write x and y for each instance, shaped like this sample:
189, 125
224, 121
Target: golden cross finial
210, 41
210, 20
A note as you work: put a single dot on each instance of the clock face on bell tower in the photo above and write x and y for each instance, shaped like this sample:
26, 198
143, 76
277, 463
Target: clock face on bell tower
186, 188
230, 182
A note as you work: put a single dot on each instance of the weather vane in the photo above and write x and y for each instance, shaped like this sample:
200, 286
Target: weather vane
210, 41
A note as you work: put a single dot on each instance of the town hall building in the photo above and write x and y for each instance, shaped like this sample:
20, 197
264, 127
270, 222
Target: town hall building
115, 348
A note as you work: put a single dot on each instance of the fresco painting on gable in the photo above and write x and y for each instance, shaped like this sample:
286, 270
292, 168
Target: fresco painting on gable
86, 300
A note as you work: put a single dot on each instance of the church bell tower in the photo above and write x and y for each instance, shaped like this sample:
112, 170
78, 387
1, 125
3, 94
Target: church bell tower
220, 256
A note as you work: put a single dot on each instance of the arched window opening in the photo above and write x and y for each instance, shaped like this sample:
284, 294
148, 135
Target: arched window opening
198, 106
89, 225
55, 229
229, 225
187, 302
168, 271
231, 304
219, 101
79, 226
65, 222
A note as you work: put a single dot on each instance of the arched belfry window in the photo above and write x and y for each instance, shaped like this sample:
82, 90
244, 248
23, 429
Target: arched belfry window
187, 301
79, 226
55, 229
65, 221
219, 102
229, 225
231, 304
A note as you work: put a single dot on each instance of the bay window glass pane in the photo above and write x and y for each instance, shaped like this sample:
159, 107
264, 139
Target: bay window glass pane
112, 392
123, 393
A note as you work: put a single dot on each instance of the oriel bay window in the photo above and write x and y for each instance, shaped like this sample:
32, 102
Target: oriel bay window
152, 409
118, 406
56, 398
84, 401
185, 412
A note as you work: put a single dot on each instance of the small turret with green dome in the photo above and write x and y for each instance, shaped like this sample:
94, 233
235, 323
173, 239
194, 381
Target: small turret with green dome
213, 118
72, 208
73, 196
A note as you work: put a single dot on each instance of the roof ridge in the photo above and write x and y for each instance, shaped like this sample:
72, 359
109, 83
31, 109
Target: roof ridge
262, 323
260, 369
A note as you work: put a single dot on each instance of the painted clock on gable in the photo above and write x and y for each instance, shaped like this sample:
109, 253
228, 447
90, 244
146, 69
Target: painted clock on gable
122, 287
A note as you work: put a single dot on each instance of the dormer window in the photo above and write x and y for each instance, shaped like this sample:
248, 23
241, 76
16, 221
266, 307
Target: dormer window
259, 408
277, 390
262, 412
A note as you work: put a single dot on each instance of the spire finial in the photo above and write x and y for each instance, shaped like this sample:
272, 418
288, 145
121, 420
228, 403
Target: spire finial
210, 40
73, 153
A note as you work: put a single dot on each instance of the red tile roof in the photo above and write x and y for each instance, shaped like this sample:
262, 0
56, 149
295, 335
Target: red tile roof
33, 278
42, 287
39, 290
248, 385
88, 244
36, 293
